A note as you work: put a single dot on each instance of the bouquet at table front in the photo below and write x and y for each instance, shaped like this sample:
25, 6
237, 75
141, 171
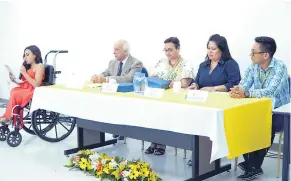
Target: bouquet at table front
107, 168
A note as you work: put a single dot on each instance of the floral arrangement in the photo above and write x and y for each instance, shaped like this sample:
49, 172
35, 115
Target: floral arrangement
108, 168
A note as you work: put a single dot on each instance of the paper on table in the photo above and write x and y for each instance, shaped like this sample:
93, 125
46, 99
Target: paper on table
16, 80
94, 85
108, 87
197, 95
154, 92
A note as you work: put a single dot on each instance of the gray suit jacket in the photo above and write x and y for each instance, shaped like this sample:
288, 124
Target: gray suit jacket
131, 66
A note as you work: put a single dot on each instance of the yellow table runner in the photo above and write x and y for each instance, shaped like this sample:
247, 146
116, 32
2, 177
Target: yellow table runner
247, 121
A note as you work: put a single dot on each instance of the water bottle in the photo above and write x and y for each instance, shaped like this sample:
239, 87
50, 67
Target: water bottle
139, 83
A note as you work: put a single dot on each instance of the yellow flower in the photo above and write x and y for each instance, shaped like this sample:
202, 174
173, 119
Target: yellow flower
99, 173
83, 163
116, 174
133, 167
142, 165
133, 175
121, 167
145, 165
110, 166
71, 163
106, 169
89, 152
144, 172
153, 176
81, 152
104, 156
89, 166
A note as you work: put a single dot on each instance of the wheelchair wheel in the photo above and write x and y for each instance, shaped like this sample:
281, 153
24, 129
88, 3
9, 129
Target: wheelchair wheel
14, 138
51, 126
27, 126
4, 130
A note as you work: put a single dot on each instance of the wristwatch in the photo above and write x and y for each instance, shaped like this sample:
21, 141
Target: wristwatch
247, 93
196, 85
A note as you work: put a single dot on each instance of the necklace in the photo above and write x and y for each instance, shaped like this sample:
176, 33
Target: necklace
175, 64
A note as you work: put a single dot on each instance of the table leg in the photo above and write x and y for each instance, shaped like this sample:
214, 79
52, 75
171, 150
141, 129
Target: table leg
286, 149
89, 139
201, 153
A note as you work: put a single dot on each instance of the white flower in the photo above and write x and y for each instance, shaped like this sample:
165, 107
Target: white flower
125, 173
124, 162
94, 157
113, 163
103, 162
94, 164
125, 179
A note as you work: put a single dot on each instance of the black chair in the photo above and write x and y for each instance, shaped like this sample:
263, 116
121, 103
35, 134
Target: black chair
49, 78
145, 71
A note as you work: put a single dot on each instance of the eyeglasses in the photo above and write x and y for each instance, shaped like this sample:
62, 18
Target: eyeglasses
168, 50
253, 53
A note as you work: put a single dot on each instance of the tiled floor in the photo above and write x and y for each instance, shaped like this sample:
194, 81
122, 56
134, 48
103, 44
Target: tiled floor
36, 160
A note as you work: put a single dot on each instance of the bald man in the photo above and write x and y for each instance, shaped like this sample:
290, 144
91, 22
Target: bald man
121, 69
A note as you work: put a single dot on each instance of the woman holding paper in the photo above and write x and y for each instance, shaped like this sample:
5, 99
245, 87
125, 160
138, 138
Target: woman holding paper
219, 72
32, 75
175, 69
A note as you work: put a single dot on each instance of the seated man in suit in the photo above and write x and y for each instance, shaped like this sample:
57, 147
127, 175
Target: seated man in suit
121, 69
269, 78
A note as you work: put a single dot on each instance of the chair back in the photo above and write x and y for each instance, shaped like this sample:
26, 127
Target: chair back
49, 78
289, 85
144, 70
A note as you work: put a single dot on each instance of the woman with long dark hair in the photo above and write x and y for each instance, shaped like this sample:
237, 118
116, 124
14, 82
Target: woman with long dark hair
32, 75
219, 72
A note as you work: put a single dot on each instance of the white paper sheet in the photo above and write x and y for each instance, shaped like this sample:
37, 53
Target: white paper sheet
16, 80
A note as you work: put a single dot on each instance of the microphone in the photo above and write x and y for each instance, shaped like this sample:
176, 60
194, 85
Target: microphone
25, 65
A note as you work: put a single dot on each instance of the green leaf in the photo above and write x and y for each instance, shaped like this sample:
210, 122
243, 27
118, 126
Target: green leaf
117, 159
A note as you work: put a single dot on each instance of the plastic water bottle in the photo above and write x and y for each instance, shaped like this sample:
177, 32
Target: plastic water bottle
139, 83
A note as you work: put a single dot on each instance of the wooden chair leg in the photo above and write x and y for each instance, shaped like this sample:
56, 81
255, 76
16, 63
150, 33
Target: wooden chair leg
176, 151
142, 145
185, 154
279, 154
235, 164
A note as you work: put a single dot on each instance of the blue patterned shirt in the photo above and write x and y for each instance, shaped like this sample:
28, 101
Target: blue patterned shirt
272, 82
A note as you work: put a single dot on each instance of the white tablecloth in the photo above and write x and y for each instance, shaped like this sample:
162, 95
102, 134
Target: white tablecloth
181, 118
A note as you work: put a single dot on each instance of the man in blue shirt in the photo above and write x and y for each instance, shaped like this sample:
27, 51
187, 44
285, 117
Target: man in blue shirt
267, 77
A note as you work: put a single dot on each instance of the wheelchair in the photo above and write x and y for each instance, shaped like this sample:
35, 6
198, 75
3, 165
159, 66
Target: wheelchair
40, 122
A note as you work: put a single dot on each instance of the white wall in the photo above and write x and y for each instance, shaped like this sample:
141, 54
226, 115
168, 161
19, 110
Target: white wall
8, 45
89, 29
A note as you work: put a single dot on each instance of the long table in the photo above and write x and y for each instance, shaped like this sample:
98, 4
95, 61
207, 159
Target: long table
285, 112
91, 134
212, 130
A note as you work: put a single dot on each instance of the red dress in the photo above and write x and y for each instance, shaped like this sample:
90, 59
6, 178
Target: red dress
20, 96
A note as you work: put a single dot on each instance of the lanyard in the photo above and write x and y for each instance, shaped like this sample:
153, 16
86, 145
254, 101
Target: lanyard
263, 81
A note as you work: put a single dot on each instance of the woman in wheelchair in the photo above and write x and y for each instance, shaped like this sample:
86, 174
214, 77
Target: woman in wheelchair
32, 75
